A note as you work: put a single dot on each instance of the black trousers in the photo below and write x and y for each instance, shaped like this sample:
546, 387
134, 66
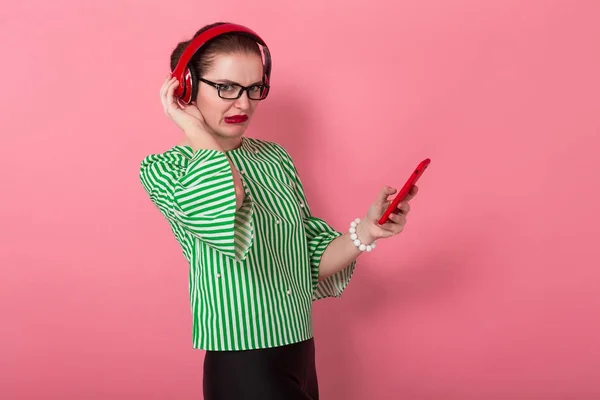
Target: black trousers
278, 373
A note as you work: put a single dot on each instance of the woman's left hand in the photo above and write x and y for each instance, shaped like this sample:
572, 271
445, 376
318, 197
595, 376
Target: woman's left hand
369, 230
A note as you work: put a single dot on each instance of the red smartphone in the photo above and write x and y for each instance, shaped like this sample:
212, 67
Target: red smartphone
412, 179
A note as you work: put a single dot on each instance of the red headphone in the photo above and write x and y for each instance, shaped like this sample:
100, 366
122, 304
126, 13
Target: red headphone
188, 81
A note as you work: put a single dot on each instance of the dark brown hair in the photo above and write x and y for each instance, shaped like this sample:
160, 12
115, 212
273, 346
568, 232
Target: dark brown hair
223, 44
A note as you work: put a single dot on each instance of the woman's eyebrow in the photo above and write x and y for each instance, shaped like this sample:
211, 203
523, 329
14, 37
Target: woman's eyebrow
230, 82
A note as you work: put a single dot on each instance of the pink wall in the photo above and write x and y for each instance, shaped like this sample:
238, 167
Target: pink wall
490, 293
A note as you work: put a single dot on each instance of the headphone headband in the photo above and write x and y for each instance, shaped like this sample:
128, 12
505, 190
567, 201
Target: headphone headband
186, 78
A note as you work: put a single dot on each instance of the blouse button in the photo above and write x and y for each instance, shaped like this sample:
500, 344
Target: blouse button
218, 275
301, 204
289, 292
278, 222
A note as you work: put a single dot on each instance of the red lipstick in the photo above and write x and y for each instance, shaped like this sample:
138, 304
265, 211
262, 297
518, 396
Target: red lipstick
236, 119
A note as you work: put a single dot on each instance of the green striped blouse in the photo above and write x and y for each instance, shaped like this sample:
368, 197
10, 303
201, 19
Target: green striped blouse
254, 271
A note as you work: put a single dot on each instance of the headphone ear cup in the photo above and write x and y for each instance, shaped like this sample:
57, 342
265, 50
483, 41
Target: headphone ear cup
193, 89
185, 90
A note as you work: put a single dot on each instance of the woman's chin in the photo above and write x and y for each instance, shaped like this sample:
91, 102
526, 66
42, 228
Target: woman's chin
234, 130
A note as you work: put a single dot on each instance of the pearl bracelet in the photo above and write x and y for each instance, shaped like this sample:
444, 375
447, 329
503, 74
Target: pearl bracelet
361, 246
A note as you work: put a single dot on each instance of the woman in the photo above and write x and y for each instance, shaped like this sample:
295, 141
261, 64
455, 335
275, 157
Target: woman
258, 257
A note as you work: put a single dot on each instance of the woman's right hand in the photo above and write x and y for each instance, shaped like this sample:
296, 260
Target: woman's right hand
187, 117
191, 121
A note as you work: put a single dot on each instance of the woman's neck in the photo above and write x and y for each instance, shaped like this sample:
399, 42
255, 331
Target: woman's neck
226, 144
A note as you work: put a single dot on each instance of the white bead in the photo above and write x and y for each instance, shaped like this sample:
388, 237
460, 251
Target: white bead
354, 237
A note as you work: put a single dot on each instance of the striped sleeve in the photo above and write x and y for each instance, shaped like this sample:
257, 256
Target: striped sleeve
197, 192
319, 234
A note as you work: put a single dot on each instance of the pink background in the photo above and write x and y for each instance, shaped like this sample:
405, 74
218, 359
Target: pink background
490, 293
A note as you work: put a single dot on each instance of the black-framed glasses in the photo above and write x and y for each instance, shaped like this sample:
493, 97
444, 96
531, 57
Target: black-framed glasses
233, 91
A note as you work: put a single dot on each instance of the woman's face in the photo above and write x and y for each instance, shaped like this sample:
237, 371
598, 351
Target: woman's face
229, 119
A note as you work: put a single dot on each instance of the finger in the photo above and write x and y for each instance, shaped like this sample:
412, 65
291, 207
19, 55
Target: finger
163, 93
179, 102
165, 85
397, 227
394, 226
387, 227
385, 192
404, 207
171, 101
169, 85
398, 219
412, 193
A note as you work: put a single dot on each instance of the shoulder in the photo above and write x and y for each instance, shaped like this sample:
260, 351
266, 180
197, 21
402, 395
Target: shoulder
179, 154
269, 147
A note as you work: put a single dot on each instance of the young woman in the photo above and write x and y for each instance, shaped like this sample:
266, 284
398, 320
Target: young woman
258, 257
